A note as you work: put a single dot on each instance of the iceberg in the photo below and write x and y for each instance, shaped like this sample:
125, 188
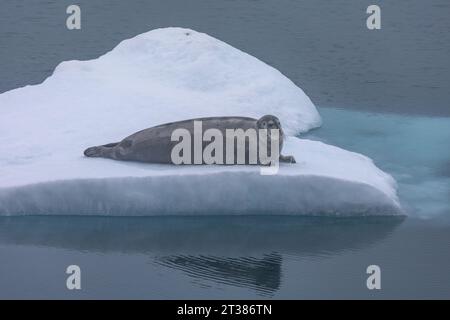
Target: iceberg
326, 181
161, 76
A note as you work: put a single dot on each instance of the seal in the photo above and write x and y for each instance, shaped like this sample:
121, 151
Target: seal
155, 144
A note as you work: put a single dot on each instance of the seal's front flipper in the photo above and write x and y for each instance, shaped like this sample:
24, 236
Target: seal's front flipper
287, 159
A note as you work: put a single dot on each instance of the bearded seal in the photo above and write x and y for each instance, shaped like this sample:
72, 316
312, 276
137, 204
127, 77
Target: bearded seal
154, 145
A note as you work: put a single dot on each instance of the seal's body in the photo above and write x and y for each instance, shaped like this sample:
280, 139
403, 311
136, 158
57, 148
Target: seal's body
154, 145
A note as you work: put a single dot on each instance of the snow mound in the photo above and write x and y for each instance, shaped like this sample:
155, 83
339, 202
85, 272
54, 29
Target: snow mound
161, 76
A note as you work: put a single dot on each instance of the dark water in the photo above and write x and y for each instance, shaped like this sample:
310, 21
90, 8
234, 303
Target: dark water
217, 257
326, 49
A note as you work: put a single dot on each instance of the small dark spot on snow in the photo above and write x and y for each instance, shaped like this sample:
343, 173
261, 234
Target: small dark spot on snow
188, 33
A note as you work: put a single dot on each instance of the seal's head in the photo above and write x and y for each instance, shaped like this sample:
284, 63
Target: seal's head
269, 122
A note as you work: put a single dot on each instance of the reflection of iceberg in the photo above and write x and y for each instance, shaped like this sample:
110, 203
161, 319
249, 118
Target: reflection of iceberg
242, 251
159, 76
213, 235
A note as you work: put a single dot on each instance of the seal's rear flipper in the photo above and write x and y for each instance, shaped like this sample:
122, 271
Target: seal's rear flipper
93, 152
100, 151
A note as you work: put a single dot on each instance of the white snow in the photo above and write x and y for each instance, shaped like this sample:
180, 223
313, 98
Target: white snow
161, 76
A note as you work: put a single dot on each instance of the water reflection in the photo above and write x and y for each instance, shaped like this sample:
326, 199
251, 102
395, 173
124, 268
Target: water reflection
263, 274
240, 251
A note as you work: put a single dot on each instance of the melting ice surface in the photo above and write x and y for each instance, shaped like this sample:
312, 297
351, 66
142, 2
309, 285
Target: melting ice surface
161, 76
415, 150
